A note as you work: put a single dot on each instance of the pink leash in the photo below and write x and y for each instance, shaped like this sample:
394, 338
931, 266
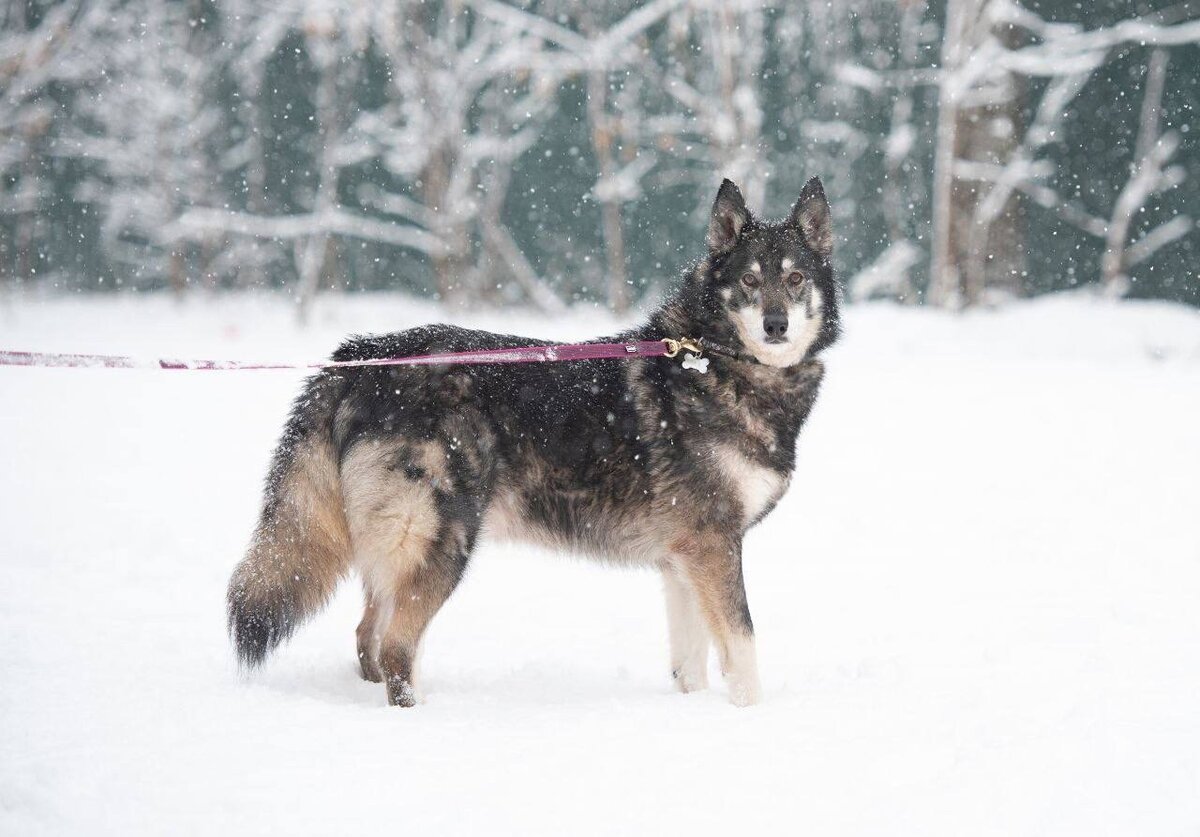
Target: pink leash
527, 354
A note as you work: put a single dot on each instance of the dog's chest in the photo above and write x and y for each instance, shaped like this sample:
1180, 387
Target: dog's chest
756, 487
754, 464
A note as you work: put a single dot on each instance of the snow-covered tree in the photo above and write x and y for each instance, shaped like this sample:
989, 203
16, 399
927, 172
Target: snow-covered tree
671, 92
46, 53
611, 47
334, 143
149, 133
465, 97
991, 50
333, 35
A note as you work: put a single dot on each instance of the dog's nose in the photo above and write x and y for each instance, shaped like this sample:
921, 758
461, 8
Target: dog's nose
775, 325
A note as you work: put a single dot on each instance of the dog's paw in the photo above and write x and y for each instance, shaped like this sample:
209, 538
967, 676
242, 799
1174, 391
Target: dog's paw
745, 693
690, 678
401, 692
368, 669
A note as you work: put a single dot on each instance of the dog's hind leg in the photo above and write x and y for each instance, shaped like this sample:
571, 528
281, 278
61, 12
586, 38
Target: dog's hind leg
368, 637
416, 600
413, 507
712, 563
687, 633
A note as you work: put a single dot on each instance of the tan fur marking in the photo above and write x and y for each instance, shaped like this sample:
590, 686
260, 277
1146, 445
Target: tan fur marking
417, 599
390, 501
757, 430
368, 638
392, 515
707, 561
503, 519
304, 544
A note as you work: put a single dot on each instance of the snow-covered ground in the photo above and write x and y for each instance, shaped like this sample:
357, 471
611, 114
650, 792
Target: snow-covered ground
978, 608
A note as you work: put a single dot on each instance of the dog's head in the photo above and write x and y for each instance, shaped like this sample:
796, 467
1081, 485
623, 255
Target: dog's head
773, 281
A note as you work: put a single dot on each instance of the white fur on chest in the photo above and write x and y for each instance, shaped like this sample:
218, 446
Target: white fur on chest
757, 487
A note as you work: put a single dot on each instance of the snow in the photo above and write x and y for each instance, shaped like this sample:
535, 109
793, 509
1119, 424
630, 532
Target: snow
978, 607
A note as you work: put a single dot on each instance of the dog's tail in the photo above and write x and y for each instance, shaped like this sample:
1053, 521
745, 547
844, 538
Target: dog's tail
301, 546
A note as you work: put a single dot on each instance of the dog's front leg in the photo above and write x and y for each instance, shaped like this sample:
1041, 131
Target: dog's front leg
687, 632
712, 563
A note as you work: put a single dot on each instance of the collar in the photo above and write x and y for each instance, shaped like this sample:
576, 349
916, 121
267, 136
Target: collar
715, 348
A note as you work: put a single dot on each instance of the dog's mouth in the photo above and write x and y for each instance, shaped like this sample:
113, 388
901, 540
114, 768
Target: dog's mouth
774, 341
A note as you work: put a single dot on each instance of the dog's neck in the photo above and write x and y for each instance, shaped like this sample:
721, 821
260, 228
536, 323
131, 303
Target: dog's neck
778, 395
686, 315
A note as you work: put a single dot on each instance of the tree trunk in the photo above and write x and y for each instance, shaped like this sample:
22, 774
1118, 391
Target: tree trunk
736, 38
895, 200
1114, 266
943, 290
451, 261
975, 248
27, 215
989, 237
312, 260
450, 269
616, 280
24, 247
311, 264
177, 272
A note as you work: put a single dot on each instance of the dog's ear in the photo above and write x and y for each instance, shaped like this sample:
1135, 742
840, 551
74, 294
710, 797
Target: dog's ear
811, 216
729, 215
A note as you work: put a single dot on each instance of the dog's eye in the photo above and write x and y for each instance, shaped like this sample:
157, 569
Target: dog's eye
795, 278
750, 280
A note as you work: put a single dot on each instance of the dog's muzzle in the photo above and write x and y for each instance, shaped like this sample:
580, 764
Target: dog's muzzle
775, 326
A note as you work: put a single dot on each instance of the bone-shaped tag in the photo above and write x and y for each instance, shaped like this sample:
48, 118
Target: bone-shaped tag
700, 364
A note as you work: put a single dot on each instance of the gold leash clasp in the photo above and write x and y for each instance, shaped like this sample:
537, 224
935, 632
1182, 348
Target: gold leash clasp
675, 346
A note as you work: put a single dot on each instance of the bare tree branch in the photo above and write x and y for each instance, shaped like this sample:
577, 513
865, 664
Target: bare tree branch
1151, 154
335, 221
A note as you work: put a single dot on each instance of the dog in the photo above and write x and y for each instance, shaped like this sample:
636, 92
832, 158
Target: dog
397, 472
